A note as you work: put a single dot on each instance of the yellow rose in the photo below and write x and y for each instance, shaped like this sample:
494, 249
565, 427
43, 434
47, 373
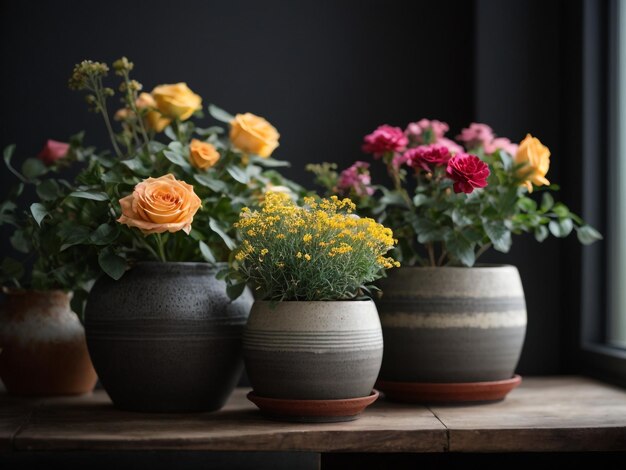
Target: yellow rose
176, 101
202, 154
536, 159
253, 134
160, 205
153, 118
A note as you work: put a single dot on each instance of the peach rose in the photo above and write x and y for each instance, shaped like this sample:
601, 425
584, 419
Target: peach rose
160, 205
176, 101
202, 154
253, 134
153, 118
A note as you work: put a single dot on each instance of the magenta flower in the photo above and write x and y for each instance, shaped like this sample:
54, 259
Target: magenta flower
476, 135
468, 173
415, 131
427, 157
356, 179
52, 151
385, 139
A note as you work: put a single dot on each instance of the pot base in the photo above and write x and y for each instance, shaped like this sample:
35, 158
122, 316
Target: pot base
448, 393
313, 411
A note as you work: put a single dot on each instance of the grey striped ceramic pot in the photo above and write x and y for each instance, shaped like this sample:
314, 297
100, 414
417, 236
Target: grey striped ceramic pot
166, 337
313, 350
450, 325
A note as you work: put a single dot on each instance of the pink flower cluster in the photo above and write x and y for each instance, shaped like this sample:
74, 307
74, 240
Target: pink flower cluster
426, 131
384, 140
415, 131
481, 135
427, 157
356, 179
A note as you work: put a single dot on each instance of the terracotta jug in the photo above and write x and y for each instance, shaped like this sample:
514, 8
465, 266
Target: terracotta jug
42, 345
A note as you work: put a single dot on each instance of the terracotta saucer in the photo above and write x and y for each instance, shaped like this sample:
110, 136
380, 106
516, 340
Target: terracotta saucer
416, 392
313, 411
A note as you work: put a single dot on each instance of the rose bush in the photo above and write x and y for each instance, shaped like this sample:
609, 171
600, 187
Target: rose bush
449, 203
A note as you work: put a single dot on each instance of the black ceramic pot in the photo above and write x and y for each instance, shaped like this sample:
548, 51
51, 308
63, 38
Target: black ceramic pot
166, 337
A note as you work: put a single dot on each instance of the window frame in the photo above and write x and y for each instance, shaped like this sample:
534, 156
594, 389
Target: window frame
599, 26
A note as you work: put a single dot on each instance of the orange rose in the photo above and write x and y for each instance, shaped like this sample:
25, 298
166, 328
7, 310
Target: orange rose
535, 160
153, 118
176, 101
160, 205
253, 134
202, 154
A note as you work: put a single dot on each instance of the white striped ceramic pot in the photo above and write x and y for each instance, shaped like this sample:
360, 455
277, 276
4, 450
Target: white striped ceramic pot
313, 350
452, 325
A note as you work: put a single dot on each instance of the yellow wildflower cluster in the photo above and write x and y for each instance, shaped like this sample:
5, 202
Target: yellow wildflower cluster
321, 244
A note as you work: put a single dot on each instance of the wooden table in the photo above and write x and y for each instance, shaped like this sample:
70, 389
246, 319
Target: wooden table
570, 414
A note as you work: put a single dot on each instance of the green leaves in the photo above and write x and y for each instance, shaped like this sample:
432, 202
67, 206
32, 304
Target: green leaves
32, 168
39, 212
210, 182
268, 162
93, 195
561, 228
230, 243
177, 159
48, 190
112, 264
206, 252
220, 115
238, 174
547, 202
9, 150
105, 234
587, 234
460, 248
499, 235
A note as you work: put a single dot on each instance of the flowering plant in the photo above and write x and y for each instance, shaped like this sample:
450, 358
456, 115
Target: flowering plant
319, 251
449, 202
43, 258
169, 190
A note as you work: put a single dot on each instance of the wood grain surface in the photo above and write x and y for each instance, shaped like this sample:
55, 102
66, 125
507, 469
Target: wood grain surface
543, 414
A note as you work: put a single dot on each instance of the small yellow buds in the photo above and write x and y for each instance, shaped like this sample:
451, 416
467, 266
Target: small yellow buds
122, 66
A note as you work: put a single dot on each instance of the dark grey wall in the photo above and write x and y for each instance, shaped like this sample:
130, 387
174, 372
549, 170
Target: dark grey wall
325, 73
518, 77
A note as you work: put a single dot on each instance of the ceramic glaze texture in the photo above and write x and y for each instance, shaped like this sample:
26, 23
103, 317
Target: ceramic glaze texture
42, 344
166, 337
313, 350
452, 324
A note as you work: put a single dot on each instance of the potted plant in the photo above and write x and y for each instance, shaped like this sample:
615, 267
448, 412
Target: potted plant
161, 330
453, 329
42, 341
313, 343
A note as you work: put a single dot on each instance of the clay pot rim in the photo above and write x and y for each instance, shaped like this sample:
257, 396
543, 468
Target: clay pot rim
313, 301
480, 266
15, 291
200, 265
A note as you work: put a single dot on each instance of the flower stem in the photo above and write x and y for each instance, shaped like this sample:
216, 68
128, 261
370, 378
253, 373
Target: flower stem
431, 254
481, 251
161, 247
